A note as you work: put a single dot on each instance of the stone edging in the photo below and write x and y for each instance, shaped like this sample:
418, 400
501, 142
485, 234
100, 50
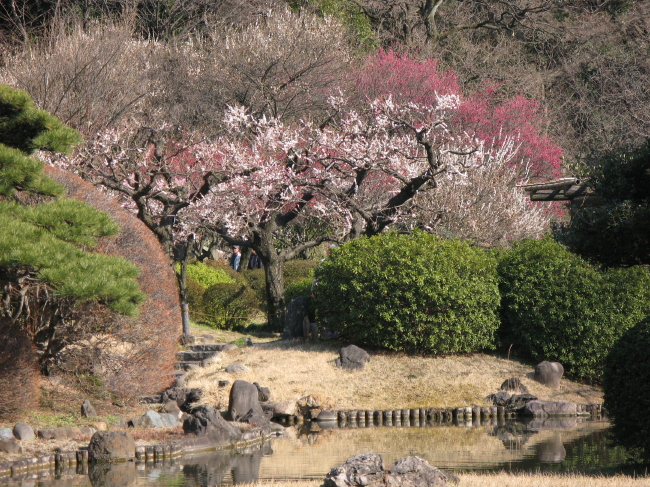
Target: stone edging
147, 453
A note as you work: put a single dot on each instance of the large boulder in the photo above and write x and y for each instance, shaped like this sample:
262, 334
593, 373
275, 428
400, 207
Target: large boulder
352, 358
297, 309
367, 470
550, 408
207, 421
111, 445
6, 434
244, 396
549, 374
23, 431
417, 472
364, 469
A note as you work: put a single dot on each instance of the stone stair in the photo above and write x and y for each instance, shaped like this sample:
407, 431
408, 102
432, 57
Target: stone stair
201, 355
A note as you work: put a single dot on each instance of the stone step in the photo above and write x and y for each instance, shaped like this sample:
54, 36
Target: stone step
188, 365
194, 356
212, 347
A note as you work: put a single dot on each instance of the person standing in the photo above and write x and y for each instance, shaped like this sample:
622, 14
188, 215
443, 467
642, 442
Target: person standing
255, 262
235, 258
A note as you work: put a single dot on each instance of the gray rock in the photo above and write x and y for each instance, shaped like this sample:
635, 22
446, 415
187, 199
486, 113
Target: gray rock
207, 421
236, 368
326, 415
501, 398
111, 445
24, 432
224, 383
10, 446
208, 338
352, 358
169, 420
278, 409
154, 417
243, 398
182, 396
417, 472
263, 393
140, 422
550, 408
518, 401
171, 408
6, 434
514, 385
248, 342
297, 309
365, 469
87, 410
549, 374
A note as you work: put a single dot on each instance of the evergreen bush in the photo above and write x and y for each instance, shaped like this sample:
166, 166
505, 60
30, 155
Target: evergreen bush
558, 307
206, 275
228, 305
298, 288
626, 377
256, 279
416, 293
295, 270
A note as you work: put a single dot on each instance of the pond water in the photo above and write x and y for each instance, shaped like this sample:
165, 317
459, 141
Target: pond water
309, 452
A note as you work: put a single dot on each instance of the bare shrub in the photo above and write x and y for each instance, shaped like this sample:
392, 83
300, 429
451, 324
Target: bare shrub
486, 207
19, 374
131, 356
89, 79
283, 64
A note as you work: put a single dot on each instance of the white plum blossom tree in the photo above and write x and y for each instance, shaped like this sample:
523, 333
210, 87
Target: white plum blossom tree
362, 172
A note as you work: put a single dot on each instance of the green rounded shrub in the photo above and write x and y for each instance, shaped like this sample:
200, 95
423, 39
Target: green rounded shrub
228, 305
298, 288
557, 307
416, 293
626, 377
296, 270
256, 280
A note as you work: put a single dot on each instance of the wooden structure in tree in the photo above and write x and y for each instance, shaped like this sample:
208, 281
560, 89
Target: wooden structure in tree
566, 189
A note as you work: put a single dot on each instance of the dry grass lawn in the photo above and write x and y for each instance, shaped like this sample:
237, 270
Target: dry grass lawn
295, 369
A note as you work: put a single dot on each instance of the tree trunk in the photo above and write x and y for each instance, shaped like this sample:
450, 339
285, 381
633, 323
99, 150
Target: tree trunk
274, 293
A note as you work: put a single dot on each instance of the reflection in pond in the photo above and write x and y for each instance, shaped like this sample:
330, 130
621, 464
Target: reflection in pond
311, 450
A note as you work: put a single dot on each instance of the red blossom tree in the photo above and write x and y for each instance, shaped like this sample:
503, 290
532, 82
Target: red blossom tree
408, 79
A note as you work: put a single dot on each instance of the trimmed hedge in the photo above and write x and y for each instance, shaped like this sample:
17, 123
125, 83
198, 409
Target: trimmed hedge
557, 307
414, 293
626, 377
